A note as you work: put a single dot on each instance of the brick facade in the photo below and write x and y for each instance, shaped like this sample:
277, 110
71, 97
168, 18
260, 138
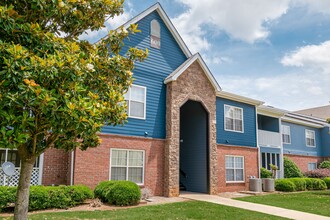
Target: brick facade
55, 167
194, 85
250, 166
93, 165
302, 161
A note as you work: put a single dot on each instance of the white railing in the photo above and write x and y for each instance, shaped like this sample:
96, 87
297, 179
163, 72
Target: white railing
269, 138
13, 180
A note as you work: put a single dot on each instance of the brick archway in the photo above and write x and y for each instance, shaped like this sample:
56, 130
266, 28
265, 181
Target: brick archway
192, 84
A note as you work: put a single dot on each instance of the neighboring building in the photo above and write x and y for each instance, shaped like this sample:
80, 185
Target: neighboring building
183, 131
318, 112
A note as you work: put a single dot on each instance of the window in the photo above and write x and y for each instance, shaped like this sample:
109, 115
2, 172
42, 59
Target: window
312, 166
136, 102
155, 34
127, 165
9, 155
310, 138
270, 158
234, 169
286, 136
233, 119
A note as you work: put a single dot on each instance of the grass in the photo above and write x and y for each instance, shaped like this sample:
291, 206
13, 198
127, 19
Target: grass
316, 202
180, 210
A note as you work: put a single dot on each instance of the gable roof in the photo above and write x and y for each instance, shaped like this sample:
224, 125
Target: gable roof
157, 7
319, 112
197, 57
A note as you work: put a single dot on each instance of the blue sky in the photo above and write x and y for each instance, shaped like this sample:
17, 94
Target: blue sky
277, 51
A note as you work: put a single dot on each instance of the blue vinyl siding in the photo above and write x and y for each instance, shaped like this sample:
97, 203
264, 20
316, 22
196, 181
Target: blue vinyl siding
298, 141
151, 74
325, 135
248, 138
270, 150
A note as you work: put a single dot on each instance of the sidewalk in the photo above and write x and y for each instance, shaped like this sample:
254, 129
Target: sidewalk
272, 210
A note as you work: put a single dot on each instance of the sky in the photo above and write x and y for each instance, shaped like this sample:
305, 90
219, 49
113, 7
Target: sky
276, 51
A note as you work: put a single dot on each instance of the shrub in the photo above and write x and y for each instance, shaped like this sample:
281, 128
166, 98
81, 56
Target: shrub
325, 164
7, 195
45, 197
290, 169
327, 181
318, 184
102, 189
300, 183
264, 173
285, 185
124, 193
309, 183
318, 173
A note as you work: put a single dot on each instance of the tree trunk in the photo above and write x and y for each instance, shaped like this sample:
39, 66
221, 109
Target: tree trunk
23, 189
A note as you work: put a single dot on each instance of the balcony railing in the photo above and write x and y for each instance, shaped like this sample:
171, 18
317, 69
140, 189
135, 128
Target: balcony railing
269, 138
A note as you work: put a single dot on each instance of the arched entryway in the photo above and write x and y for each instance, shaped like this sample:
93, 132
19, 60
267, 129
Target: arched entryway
194, 148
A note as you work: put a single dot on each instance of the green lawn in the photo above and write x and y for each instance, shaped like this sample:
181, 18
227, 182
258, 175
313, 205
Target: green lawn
180, 210
317, 202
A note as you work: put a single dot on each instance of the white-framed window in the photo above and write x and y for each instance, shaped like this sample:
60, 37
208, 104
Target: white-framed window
127, 165
312, 166
286, 135
155, 34
234, 168
310, 138
11, 155
136, 99
234, 119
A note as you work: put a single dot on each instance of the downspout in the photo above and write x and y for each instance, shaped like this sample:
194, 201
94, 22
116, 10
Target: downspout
281, 147
257, 139
72, 167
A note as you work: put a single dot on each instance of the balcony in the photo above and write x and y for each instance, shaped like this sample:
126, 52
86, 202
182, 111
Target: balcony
269, 138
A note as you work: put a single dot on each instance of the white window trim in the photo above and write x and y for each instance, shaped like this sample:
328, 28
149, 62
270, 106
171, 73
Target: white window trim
308, 130
311, 163
289, 135
143, 168
243, 181
145, 103
224, 116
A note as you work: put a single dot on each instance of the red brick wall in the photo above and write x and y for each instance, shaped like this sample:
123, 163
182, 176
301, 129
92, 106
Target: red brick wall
302, 161
55, 167
92, 166
250, 166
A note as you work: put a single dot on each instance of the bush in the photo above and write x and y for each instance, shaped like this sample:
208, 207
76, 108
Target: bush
123, 193
309, 183
327, 181
45, 197
318, 184
102, 189
318, 173
300, 183
7, 195
325, 164
285, 185
290, 169
264, 173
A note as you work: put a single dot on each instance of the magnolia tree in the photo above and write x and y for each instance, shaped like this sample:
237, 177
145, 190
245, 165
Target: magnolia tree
57, 91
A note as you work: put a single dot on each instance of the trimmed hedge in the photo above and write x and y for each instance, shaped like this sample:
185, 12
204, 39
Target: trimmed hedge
285, 185
318, 173
300, 183
264, 173
325, 164
327, 181
291, 169
121, 193
45, 197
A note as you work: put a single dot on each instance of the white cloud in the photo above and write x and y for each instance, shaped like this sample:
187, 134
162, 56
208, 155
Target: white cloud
308, 86
240, 19
310, 56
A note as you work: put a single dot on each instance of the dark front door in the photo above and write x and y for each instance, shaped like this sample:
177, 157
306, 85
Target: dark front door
194, 147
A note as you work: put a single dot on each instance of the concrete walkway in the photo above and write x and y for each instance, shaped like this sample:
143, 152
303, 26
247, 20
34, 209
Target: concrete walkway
271, 210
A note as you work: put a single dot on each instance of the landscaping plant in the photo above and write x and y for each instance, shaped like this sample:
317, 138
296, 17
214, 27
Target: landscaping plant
325, 164
291, 169
318, 173
264, 173
55, 90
